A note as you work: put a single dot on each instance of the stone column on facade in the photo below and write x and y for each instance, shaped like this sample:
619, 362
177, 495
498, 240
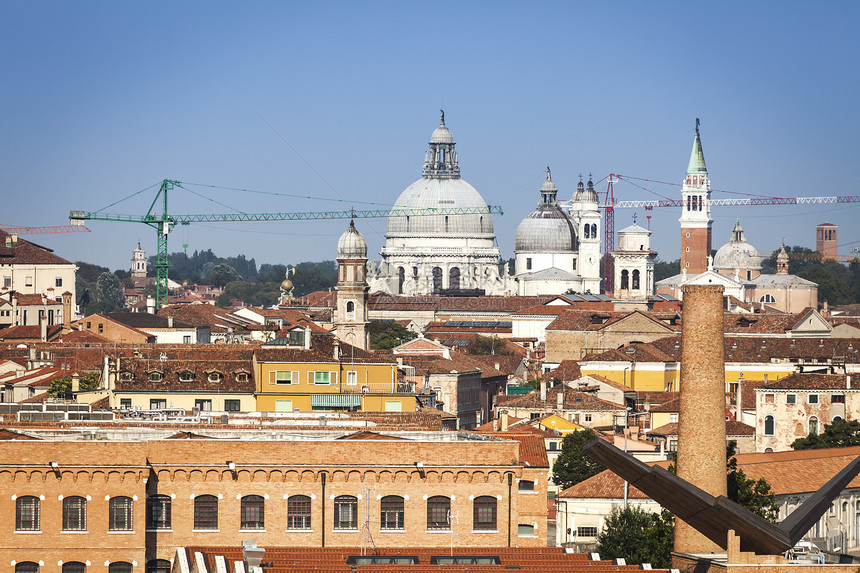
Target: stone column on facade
702, 422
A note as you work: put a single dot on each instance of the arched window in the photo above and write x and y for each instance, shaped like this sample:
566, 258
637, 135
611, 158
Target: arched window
768, 425
119, 567
74, 514
625, 279
206, 512
438, 509
74, 567
767, 298
587, 231
454, 278
27, 513
299, 512
346, 512
350, 308
484, 514
437, 280
594, 230
391, 512
158, 566
158, 512
636, 279
27, 567
813, 425
401, 276
120, 514
252, 512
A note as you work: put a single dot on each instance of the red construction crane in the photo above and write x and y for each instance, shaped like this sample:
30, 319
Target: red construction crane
610, 205
15, 230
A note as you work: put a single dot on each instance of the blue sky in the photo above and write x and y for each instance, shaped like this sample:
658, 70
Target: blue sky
336, 101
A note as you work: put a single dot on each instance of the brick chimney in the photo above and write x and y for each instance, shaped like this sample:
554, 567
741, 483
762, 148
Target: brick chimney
702, 421
67, 311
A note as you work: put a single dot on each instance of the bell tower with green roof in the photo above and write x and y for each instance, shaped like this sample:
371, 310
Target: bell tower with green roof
696, 218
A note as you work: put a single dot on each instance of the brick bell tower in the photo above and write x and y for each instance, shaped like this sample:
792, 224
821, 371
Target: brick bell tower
696, 218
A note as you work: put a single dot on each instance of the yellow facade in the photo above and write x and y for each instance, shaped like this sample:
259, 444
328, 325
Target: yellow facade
331, 386
665, 376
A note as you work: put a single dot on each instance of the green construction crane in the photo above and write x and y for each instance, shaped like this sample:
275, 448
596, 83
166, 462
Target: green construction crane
164, 223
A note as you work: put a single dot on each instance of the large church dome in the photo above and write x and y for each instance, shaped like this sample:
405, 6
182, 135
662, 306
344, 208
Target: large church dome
547, 229
440, 187
737, 254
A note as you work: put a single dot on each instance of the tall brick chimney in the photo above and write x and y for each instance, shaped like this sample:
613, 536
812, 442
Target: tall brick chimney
67, 312
702, 421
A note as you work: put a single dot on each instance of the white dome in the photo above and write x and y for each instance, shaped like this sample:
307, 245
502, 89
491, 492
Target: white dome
737, 253
441, 187
547, 229
351, 244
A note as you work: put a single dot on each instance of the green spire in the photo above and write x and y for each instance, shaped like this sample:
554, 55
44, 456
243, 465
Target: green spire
697, 157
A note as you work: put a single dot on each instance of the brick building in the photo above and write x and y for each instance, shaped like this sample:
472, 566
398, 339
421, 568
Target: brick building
134, 496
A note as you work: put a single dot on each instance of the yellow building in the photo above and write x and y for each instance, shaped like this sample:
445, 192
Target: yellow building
328, 376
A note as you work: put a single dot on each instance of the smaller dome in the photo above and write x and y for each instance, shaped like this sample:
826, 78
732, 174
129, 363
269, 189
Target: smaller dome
441, 135
590, 194
351, 244
737, 254
580, 189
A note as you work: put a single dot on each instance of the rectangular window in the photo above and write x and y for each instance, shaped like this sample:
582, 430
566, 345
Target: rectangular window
186, 339
7, 282
282, 377
27, 513
58, 282
119, 514
75, 514
299, 512
232, 405
351, 378
586, 532
101, 328
125, 403
206, 512
837, 398
393, 406
769, 398
158, 512
438, 510
157, 403
346, 512
791, 398
484, 513
28, 281
321, 377
391, 512
203, 405
528, 264
588, 417
673, 418
524, 530
813, 398
526, 485
553, 446
283, 405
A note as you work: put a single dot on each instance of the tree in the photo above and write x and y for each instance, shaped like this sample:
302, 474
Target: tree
222, 274
838, 434
572, 465
109, 293
638, 536
663, 269
62, 387
386, 334
487, 345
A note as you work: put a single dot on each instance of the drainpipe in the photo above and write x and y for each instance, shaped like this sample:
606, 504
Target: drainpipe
322, 477
510, 503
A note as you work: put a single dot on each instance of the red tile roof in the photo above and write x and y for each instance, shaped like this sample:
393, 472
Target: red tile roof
26, 253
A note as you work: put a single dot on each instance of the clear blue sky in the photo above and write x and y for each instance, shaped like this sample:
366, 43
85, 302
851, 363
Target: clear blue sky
337, 100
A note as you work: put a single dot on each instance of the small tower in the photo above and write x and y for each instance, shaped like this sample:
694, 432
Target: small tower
351, 313
634, 264
696, 218
782, 261
825, 240
138, 263
586, 214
